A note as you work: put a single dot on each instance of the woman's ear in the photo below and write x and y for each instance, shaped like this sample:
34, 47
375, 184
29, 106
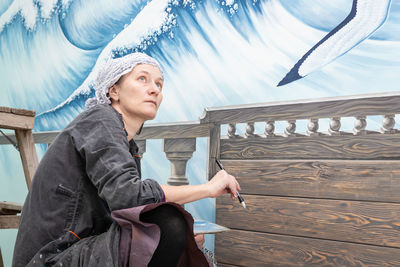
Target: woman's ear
113, 93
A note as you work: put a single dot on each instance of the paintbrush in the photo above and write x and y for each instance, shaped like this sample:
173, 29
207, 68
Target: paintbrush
241, 200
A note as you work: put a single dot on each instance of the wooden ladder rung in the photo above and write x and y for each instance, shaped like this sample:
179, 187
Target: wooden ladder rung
10, 208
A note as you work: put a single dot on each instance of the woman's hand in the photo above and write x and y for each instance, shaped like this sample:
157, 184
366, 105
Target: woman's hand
223, 183
199, 240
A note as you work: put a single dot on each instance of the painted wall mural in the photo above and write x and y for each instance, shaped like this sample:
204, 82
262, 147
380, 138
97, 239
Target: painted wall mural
214, 53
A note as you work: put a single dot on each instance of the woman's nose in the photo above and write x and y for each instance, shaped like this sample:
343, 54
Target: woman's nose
154, 89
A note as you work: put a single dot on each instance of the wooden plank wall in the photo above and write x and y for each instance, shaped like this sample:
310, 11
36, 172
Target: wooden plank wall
312, 201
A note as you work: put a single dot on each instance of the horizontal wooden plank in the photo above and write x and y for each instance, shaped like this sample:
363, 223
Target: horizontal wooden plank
152, 131
10, 208
372, 146
9, 221
14, 121
174, 130
342, 106
353, 221
375, 180
18, 111
246, 248
39, 137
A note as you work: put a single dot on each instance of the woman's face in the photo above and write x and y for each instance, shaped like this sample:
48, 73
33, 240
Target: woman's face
139, 92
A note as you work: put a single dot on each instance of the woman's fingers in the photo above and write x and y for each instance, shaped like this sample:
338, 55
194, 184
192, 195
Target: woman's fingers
199, 240
223, 183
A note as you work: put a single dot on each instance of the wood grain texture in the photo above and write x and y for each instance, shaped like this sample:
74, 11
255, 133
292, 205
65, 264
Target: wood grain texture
10, 208
9, 221
373, 146
343, 106
353, 221
245, 248
179, 145
174, 130
14, 121
18, 111
213, 145
28, 154
374, 180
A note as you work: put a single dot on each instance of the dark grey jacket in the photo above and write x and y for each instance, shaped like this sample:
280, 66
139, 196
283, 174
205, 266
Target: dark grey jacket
87, 172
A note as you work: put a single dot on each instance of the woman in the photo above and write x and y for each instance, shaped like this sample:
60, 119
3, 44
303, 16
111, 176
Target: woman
88, 206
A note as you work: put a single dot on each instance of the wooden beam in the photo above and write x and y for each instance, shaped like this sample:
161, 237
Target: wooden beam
10, 208
342, 106
14, 121
9, 221
187, 129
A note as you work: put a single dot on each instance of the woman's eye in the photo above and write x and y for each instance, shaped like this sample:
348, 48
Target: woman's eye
141, 78
159, 85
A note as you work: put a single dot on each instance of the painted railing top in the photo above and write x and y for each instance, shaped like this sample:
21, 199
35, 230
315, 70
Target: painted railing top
341, 106
187, 129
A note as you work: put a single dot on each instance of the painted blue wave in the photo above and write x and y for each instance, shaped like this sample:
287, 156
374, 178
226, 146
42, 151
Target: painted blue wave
214, 53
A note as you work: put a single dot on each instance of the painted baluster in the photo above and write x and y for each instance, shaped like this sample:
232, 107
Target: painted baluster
334, 126
359, 125
290, 128
231, 130
388, 123
250, 129
178, 152
269, 129
312, 127
142, 147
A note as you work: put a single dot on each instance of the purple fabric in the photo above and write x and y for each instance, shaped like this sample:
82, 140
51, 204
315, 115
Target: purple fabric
163, 196
139, 240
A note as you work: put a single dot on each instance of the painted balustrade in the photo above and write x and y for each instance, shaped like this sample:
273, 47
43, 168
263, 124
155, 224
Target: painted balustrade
179, 138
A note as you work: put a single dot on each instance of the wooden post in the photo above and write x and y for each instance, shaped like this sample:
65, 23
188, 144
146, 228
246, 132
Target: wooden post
1, 259
213, 149
28, 155
178, 152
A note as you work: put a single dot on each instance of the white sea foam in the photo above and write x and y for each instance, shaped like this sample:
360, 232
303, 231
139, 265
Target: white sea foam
153, 18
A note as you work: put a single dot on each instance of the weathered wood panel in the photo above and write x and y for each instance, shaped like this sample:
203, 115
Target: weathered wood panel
362, 222
338, 179
343, 106
14, 121
174, 130
10, 208
373, 146
9, 221
28, 154
18, 111
213, 143
246, 248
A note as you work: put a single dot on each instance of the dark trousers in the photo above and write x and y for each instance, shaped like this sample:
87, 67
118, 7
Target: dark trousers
173, 235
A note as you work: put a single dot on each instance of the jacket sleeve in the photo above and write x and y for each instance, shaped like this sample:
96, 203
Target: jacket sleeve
104, 147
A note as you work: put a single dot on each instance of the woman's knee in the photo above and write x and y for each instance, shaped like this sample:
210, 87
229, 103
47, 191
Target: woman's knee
169, 219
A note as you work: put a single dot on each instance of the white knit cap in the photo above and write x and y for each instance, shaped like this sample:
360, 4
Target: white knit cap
111, 72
